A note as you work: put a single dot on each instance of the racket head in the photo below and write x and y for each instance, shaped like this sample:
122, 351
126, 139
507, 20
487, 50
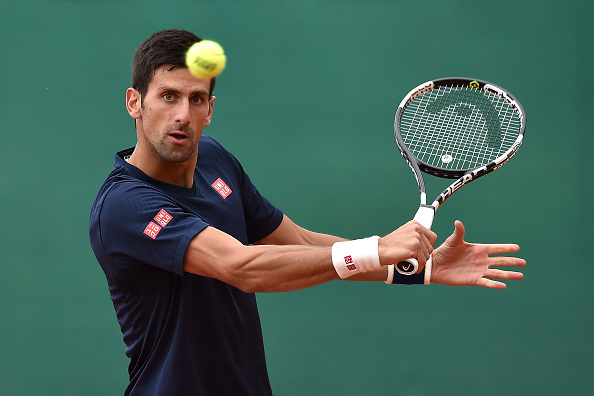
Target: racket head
450, 127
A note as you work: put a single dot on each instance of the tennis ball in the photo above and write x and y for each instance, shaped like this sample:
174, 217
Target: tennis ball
206, 59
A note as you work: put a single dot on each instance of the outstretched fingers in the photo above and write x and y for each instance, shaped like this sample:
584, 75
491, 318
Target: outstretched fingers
494, 273
490, 284
502, 248
489, 280
459, 263
503, 261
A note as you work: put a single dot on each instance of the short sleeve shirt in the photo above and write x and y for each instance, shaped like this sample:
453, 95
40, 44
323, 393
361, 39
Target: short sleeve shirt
185, 334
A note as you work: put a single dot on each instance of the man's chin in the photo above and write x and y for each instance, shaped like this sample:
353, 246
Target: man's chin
177, 156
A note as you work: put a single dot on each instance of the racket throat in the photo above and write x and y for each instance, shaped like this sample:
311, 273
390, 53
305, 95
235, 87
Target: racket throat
425, 215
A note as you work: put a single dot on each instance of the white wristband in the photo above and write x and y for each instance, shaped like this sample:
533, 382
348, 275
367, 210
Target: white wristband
428, 266
352, 257
390, 278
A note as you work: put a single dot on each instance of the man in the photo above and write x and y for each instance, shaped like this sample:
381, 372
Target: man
185, 239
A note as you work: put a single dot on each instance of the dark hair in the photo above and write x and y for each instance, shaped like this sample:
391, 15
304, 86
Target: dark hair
167, 47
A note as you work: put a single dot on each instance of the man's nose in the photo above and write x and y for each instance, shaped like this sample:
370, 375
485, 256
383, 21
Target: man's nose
183, 113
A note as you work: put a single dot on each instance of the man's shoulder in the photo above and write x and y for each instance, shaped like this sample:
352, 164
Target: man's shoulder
121, 191
209, 143
211, 151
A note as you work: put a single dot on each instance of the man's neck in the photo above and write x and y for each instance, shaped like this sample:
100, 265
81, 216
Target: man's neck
180, 174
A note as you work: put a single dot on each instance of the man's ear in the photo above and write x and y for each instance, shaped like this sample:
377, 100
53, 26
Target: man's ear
210, 111
133, 103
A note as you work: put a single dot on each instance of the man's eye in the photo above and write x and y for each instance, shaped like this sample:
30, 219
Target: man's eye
196, 99
168, 96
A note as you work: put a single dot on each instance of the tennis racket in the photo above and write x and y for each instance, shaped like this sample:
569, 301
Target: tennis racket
455, 128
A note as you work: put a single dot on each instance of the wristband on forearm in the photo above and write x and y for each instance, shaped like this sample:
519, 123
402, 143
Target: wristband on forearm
352, 257
422, 278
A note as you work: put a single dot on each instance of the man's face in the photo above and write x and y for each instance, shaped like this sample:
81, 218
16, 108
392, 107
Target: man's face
173, 114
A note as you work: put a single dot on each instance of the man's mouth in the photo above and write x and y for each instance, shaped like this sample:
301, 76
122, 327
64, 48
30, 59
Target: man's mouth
178, 137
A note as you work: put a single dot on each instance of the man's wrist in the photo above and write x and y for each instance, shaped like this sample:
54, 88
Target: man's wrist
352, 257
422, 278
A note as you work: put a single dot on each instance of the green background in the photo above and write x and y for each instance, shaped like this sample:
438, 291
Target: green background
307, 104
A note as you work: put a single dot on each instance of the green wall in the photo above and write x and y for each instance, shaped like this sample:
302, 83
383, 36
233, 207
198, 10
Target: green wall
307, 103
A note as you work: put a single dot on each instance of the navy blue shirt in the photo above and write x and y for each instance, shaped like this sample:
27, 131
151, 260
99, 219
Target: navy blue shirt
185, 334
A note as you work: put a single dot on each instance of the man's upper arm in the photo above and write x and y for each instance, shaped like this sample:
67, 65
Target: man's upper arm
137, 225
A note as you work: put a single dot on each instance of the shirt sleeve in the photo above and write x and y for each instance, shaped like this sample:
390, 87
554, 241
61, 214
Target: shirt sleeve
140, 225
261, 216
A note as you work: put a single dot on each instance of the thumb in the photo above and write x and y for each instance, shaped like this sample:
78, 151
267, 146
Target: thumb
458, 236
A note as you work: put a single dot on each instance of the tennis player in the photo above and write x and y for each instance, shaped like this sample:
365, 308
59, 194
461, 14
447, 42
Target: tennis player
185, 240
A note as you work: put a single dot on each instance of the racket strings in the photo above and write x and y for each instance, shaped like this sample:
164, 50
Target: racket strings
457, 127
445, 142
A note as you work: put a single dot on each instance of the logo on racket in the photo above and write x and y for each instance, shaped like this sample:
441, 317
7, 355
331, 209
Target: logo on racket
474, 85
405, 267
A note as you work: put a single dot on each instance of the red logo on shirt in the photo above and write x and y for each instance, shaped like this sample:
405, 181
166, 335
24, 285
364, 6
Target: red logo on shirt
162, 218
222, 188
152, 230
348, 260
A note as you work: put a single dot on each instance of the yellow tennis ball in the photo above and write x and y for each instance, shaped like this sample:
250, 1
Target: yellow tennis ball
206, 59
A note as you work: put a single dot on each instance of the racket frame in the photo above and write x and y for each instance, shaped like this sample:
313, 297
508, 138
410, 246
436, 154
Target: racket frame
426, 213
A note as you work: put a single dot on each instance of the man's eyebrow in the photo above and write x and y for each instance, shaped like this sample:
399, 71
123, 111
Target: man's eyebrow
199, 93
165, 87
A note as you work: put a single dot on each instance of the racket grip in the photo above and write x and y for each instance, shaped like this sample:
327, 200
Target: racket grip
424, 216
407, 267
